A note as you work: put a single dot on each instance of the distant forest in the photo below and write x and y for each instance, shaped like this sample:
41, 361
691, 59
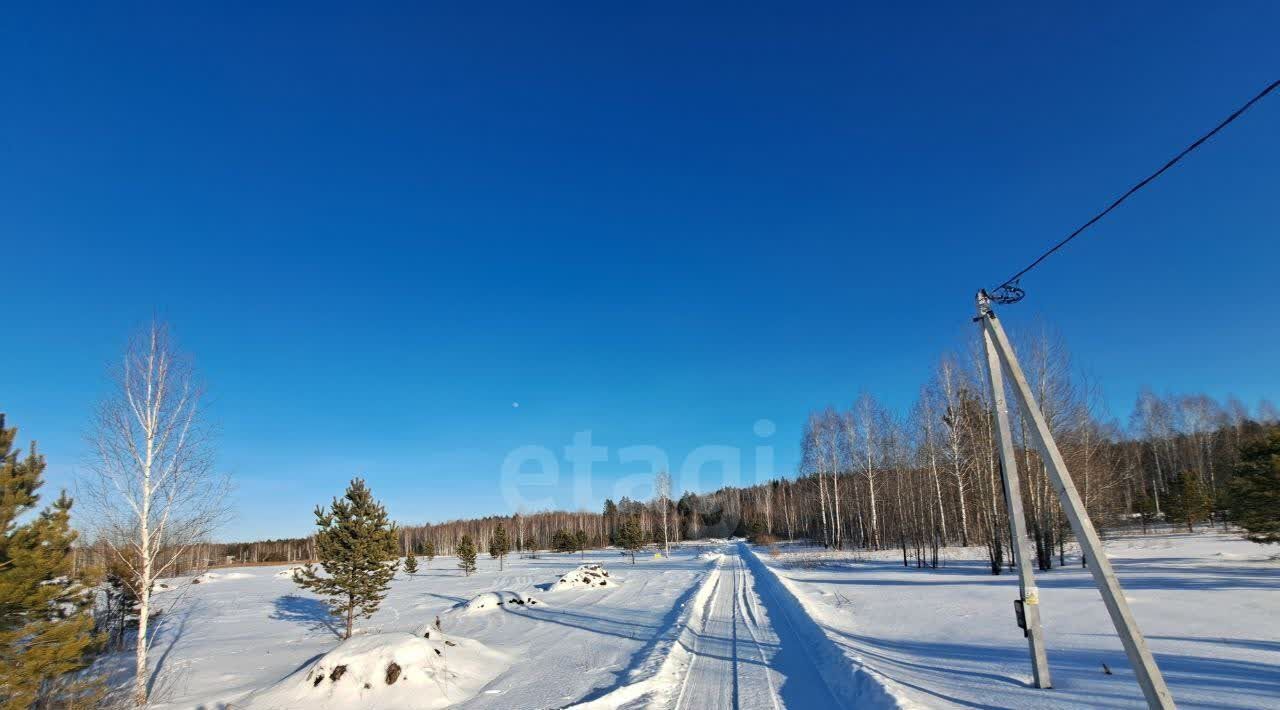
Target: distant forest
922, 479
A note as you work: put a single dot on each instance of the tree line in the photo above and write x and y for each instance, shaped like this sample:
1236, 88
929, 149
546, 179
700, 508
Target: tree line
930, 476
926, 477
920, 480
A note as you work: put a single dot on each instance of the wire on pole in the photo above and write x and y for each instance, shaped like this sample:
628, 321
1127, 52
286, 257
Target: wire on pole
1011, 292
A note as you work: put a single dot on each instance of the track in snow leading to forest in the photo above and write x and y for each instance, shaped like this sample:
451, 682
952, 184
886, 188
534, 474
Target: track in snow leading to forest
745, 652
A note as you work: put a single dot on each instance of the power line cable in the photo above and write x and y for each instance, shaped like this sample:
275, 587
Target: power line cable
1010, 292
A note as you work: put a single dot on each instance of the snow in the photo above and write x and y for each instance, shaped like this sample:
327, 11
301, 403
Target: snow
220, 576
942, 638
592, 576
723, 623
741, 643
494, 601
246, 635
389, 670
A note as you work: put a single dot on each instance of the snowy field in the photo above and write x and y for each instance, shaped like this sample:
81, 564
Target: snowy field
721, 625
242, 630
1209, 605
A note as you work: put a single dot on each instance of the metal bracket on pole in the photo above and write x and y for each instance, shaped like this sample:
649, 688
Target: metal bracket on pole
1135, 645
1028, 604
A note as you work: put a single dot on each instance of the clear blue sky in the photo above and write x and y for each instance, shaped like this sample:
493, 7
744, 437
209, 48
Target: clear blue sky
377, 228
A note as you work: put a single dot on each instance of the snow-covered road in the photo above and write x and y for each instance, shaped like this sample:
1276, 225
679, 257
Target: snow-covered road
745, 653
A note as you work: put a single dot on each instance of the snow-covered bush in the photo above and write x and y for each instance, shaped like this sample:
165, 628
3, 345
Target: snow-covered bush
496, 600
388, 671
215, 576
585, 576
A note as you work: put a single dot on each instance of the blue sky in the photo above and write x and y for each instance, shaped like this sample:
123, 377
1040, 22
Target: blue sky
377, 228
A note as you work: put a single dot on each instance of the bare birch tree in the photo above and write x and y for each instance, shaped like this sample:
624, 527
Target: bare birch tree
152, 487
812, 463
866, 425
952, 391
662, 489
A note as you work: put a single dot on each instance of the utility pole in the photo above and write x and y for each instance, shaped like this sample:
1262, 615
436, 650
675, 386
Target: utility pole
999, 349
1028, 603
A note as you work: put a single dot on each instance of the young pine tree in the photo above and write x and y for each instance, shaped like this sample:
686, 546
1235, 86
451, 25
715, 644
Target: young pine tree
562, 541
1255, 490
429, 551
411, 563
357, 548
1189, 503
580, 540
500, 545
46, 626
466, 555
631, 538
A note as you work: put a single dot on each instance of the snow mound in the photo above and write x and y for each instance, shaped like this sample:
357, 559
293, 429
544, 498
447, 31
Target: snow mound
288, 573
586, 576
218, 576
711, 555
391, 671
496, 600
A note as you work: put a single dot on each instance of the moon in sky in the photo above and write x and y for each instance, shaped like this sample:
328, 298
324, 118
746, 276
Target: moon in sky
515, 405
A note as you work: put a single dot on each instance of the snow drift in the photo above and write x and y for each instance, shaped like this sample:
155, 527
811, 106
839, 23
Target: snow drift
585, 576
390, 671
844, 673
496, 600
216, 576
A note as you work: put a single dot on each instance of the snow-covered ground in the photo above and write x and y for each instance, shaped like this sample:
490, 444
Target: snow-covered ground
1209, 605
743, 642
723, 625
246, 629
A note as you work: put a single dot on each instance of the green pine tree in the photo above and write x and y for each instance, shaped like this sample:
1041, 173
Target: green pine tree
429, 551
562, 541
357, 547
1188, 502
466, 555
499, 545
610, 514
46, 626
631, 537
411, 563
580, 541
1255, 490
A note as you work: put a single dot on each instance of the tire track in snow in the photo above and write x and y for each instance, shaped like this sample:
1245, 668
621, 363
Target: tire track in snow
846, 680
710, 679
741, 658
653, 673
702, 622
734, 646
748, 605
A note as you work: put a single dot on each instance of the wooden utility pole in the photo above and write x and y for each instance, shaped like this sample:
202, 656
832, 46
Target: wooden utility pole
1135, 645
